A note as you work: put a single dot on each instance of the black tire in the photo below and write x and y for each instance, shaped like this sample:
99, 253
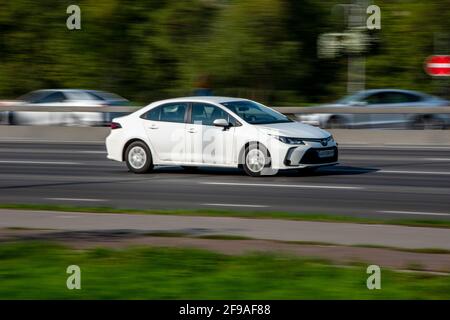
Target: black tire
335, 123
11, 119
428, 122
253, 169
138, 157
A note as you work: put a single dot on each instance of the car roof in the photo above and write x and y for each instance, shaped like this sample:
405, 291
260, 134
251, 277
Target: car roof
66, 90
211, 99
391, 90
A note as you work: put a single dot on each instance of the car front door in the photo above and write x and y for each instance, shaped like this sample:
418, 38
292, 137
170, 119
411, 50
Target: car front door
206, 143
389, 99
166, 129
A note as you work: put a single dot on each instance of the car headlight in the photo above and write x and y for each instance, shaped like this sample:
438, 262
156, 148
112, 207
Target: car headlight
289, 140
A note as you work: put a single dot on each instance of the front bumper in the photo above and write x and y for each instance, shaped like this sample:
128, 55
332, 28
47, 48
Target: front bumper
312, 156
304, 156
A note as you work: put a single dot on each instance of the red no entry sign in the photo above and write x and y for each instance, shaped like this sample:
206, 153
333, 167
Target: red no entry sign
438, 66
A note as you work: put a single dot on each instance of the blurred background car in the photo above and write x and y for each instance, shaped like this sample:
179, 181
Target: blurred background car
65, 98
383, 98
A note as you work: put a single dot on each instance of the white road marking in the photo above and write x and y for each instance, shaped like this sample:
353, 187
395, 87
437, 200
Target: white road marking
305, 186
40, 162
388, 171
437, 159
234, 205
416, 213
415, 172
76, 199
93, 152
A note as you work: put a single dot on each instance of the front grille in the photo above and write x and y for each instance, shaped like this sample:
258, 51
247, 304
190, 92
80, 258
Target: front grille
312, 157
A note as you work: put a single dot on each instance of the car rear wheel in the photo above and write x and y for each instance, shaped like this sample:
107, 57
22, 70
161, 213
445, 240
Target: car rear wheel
138, 157
256, 161
428, 123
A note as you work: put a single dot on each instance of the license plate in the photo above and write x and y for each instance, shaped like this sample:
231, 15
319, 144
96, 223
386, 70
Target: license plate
325, 153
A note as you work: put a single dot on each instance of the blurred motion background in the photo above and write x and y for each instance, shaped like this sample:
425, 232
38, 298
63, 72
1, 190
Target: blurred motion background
260, 49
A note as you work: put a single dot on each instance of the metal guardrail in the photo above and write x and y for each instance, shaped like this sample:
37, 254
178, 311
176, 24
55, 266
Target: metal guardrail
68, 109
362, 110
284, 110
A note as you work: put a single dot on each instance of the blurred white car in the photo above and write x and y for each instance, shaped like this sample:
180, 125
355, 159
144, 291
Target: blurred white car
382, 98
64, 98
217, 131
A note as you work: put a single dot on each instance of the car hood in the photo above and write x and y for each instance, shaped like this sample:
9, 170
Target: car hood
294, 130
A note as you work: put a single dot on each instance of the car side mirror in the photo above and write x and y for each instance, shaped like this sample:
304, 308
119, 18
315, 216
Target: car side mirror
221, 123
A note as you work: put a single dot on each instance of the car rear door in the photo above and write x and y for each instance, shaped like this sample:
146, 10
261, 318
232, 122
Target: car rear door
166, 129
392, 99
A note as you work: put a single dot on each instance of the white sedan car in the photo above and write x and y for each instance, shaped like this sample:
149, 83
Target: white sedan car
217, 131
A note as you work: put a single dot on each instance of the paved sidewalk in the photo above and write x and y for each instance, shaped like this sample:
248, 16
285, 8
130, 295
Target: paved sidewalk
268, 229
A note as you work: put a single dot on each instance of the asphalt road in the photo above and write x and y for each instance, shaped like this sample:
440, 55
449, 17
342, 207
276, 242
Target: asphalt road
394, 182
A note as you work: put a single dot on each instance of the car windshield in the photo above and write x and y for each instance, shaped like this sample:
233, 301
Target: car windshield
255, 113
106, 95
33, 96
81, 95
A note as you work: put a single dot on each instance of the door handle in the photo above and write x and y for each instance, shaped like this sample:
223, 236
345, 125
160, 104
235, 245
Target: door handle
153, 127
192, 130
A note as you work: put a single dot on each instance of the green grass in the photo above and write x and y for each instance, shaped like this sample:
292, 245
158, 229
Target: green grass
242, 214
31, 270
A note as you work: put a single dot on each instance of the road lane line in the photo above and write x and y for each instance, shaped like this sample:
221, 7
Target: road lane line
76, 199
234, 205
92, 152
415, 172
438, 159
305, 186
387, 171
416, 213
39, 162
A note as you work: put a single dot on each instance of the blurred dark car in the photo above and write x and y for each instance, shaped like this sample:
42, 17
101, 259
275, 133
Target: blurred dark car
66, 98
383, 98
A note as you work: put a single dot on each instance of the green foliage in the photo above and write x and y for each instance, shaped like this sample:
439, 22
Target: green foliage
38, 271
262, 49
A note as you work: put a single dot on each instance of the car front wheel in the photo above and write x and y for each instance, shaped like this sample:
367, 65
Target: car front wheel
138, 157
256, 161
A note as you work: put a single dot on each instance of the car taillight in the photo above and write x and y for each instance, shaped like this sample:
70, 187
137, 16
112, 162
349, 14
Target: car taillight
115, 125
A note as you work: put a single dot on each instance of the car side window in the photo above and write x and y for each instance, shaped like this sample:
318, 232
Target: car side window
405, 98
153, 114
53, 97
205, 114
171, 112
392, 97
376, 98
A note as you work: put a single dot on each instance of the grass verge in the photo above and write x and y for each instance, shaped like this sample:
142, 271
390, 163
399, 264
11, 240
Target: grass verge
241, 214
34, 270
